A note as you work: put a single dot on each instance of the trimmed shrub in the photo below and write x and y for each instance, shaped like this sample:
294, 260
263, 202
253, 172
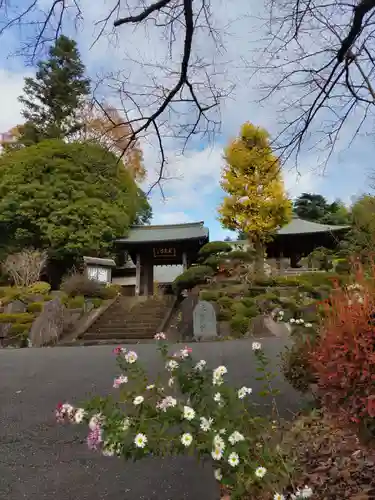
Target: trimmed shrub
254, 291
25, 317
111, 291
225, 302
213, 261
344, 359
214, 248
19, 328
193, 276
239, 325
240, 255
35, 307
225, 315
77, 302
80, 284
96, 302
209, 295
39, 288
248, 312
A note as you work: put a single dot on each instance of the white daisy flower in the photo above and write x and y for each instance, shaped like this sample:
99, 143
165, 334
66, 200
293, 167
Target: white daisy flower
218, 475
122, 379
236, 437
167, 402
292, 320
150, 387
189, 413
186, 439
217, 453
233, 459
171, 381
79, 415
200, 365
220, 371
171, 365
219, 442
278, 496
260, 472
222, 431
256, 346
160, 336
243, 392
217, 397
131, 357
138, 400
206, 423
108, 449
95, 421
308, 325
301, 321
140, 440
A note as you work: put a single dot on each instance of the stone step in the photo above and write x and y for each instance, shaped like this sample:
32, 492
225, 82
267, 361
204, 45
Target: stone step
109, 341
124, 328
118, 335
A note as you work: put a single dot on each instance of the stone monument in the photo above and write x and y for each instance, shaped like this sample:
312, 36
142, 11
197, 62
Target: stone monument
204, 321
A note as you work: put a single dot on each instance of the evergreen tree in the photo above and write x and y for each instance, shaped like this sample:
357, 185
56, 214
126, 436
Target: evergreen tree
256, 204
53, 98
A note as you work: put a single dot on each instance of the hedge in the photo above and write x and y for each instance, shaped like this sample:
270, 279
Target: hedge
35, 307
25, 317
193, 276
214, 248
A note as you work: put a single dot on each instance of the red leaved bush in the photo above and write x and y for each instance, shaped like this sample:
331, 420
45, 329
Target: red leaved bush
344, 356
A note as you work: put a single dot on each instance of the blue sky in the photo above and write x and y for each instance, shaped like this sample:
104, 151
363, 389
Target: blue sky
193, 192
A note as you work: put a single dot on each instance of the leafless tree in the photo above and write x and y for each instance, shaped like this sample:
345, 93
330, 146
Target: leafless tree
25, 267
323, 49
319, 58
181, 102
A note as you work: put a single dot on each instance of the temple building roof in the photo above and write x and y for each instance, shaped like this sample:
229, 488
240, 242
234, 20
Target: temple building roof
168, 232
300, 226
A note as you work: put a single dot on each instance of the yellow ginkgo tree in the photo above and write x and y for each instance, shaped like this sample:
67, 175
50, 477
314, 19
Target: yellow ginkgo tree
256, 202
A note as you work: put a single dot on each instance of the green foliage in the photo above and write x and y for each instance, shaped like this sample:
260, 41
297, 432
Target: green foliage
96, 302
361, 238
111, 291
193, 276
225, 302
242, 309
214, 248
250, 163
25, 317
314, 207
35, 307
213, 261
342, 266
40, 287
321, 258
239, 324
254, 291
71, 199
20, 328
209, 295
225, 315
51, 99
241, 255
77, 302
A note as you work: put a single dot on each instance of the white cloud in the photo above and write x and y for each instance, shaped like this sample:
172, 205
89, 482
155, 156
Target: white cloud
11, 85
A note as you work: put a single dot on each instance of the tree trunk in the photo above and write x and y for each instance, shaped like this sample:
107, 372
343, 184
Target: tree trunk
259, 258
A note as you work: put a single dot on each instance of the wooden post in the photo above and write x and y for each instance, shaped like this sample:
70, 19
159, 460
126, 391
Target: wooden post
148, 278
138, 275
184, 261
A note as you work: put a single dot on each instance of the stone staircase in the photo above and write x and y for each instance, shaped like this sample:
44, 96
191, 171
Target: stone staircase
128, 320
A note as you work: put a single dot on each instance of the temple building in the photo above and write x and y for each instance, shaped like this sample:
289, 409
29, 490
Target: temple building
300, 237
158, 254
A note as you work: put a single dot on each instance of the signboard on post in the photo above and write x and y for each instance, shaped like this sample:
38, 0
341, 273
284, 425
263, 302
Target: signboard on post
164, 252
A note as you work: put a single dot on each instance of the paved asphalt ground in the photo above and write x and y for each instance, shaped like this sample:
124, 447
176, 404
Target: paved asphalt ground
42, 460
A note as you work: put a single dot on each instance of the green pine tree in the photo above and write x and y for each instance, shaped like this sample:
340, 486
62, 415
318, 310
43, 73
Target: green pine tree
53, 98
